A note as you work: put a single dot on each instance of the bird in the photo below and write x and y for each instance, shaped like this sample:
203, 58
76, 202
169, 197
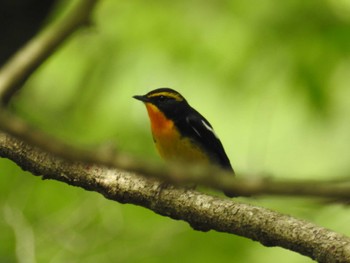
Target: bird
181, 133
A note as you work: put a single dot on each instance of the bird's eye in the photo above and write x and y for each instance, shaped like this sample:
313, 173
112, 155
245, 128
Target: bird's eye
162, 98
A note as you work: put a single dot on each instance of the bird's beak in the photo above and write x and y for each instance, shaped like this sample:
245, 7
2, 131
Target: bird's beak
141, 98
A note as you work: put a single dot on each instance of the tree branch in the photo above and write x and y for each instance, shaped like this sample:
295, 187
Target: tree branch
26, 60
209, 177
202, 212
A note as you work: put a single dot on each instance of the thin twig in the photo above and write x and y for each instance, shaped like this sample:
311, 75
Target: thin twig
176, 174
29, 58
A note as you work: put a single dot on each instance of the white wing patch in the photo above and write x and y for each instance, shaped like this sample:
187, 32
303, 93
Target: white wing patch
207, 126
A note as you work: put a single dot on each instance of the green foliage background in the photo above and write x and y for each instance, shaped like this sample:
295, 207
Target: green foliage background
272, 78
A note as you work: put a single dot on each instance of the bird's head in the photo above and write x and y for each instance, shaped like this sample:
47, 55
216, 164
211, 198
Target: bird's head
166, 100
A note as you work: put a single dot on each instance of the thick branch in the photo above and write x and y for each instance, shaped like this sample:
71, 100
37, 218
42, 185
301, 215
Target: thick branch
202, 212
23, 64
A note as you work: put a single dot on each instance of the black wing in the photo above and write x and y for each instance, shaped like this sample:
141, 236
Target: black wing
199, 129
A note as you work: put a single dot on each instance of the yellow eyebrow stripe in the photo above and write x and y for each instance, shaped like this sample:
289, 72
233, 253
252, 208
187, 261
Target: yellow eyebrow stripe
167, 94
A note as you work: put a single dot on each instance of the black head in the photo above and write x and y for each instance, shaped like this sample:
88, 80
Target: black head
165, 99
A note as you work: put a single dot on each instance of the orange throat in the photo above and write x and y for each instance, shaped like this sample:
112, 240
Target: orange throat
159, 123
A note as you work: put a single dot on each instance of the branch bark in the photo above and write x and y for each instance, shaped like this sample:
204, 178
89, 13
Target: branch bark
203, 212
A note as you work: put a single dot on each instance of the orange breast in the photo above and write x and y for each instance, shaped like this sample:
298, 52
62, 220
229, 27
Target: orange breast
170, 144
